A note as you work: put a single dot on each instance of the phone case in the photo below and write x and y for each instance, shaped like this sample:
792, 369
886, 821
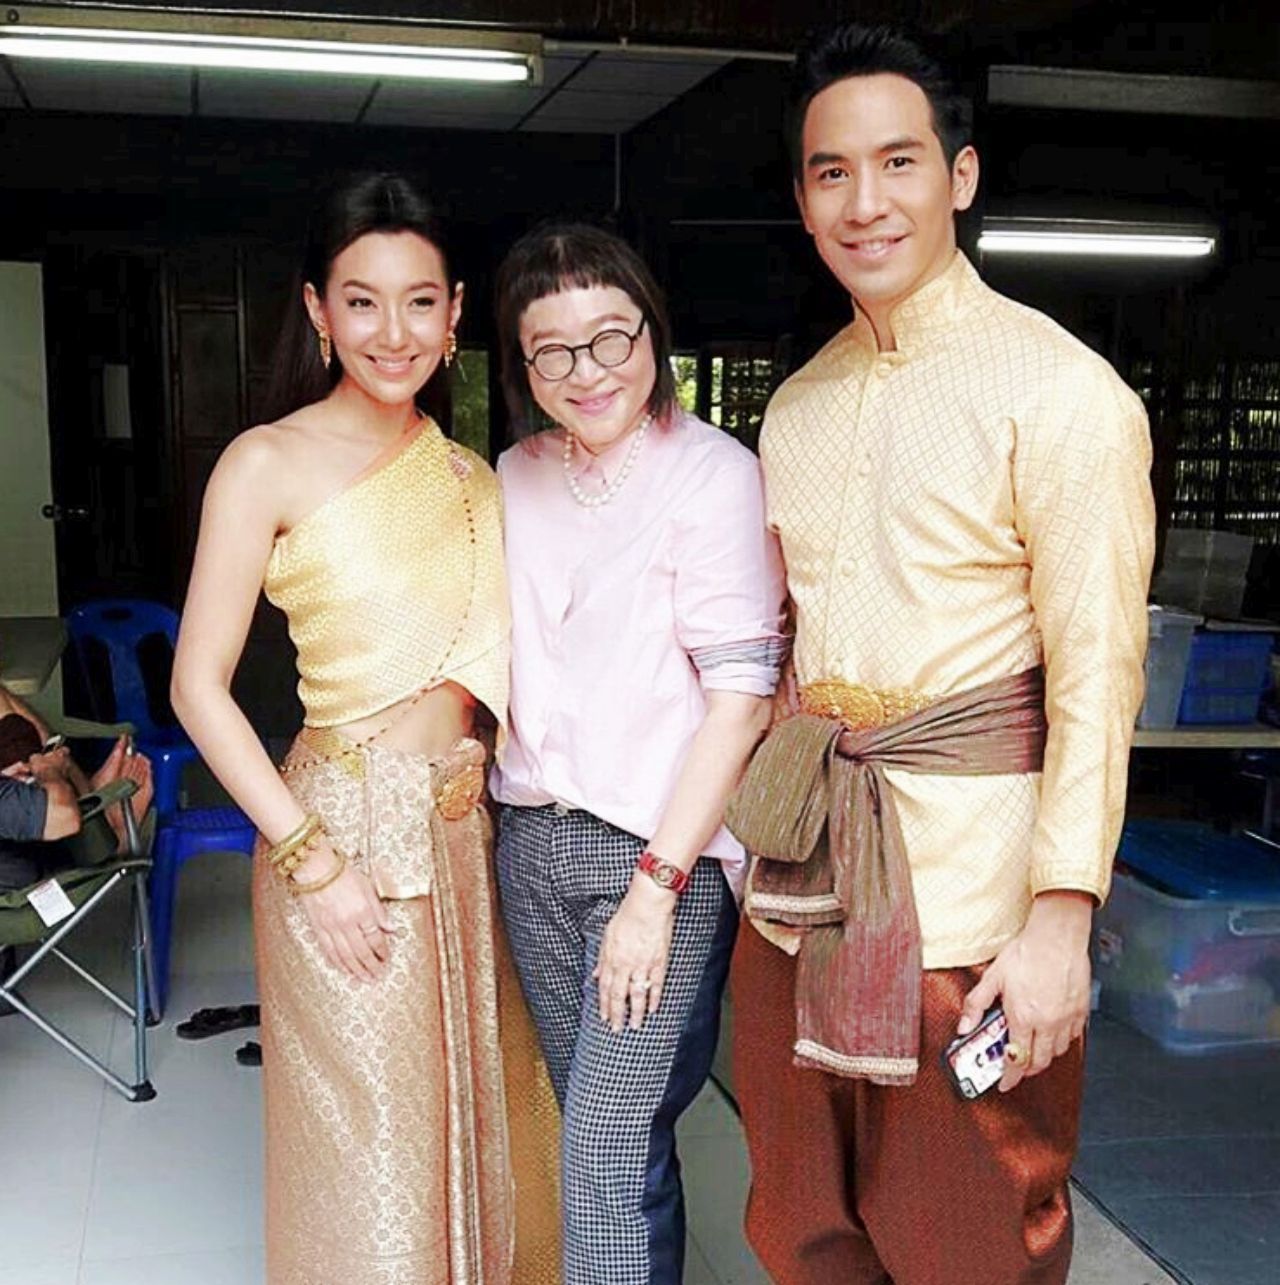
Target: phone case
975, 1062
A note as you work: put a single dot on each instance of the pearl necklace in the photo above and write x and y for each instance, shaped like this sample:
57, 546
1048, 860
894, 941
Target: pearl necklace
603, 497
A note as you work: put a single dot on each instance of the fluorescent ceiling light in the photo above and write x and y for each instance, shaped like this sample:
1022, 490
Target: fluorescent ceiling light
1095, 239
406, 52
416, 65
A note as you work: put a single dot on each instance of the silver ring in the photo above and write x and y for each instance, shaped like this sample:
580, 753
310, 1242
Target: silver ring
641, 983
369, 929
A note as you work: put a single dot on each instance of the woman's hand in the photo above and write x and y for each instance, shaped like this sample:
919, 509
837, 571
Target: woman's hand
633, 954
350, 920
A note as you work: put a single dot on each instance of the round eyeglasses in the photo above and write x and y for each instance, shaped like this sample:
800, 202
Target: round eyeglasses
608, 348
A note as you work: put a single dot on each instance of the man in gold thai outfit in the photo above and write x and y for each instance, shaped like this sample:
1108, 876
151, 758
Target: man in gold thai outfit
961, 490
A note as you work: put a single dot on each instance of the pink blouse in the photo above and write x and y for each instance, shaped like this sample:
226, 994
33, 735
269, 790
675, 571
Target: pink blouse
623, 615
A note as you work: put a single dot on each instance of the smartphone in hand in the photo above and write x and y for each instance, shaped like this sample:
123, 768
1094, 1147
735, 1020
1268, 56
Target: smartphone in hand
974, 1063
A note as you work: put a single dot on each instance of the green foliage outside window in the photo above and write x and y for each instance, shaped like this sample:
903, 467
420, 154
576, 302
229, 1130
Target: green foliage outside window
685, 366
471, 400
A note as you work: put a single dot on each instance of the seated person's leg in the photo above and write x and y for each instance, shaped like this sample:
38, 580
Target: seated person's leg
123, 764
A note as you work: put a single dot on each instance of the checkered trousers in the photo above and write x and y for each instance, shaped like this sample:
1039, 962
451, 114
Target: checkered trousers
562, 875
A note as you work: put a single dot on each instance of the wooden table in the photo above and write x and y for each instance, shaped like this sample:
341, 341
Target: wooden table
1243, 736
30, 647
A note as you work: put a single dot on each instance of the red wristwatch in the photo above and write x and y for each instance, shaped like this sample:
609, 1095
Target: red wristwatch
663, 873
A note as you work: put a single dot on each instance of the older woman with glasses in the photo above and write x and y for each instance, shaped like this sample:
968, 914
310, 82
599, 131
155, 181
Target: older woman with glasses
646, 597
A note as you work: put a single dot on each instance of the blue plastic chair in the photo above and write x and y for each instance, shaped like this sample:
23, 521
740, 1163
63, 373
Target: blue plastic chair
121, 627
179, 837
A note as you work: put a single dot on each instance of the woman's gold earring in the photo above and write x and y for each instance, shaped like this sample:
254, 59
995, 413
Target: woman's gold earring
450, 348
326, 348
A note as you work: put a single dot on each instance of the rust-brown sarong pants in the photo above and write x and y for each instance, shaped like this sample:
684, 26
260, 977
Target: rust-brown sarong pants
864, 1185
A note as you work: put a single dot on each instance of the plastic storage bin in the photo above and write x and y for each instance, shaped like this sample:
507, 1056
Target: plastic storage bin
1204, 571
1227, 673
1168, 649
1189, 952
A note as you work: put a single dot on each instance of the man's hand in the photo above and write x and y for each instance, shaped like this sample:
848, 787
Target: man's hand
1042, 978
51, 768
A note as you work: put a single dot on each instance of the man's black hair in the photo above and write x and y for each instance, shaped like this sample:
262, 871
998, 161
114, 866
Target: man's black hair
833, 54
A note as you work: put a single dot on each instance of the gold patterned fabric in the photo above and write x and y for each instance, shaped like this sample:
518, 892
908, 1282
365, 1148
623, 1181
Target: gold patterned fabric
860, 708
967, 507
397, 583
390, 1133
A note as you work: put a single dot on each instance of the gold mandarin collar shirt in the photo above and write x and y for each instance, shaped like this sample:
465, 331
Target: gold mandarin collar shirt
971, 505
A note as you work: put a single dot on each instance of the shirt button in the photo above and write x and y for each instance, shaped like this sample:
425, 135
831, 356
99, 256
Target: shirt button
864, 466
562, 810
884, 369
848, 567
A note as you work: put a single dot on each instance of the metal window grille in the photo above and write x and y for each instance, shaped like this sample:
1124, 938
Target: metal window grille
1225, 433
738, 380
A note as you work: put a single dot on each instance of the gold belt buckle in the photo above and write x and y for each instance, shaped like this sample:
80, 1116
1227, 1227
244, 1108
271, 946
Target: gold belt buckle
457, 796
858, 707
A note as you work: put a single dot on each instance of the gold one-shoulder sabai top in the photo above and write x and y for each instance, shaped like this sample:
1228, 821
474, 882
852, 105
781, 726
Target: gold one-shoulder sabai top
397, 583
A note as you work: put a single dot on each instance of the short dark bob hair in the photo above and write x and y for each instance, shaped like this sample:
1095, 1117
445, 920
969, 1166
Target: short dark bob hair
832, 54
568, 256
349, 209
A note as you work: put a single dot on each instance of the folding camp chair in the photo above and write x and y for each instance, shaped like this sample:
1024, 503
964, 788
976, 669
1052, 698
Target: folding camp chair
98, 871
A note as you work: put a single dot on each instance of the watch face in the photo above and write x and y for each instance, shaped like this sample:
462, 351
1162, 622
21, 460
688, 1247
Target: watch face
665, 875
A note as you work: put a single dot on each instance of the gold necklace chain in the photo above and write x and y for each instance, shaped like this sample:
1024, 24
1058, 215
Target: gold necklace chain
345, 750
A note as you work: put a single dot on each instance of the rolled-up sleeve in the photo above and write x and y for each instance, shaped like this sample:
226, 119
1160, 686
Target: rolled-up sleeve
1086, 517
23, 809
729, 584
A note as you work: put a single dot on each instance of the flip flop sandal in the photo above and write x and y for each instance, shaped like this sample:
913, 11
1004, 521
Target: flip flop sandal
205, 1022
249, 1054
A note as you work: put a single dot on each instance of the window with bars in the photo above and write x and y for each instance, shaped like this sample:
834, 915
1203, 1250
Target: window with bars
737, 380
1226, 442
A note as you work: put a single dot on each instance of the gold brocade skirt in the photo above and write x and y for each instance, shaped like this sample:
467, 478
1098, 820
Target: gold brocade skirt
412, 1136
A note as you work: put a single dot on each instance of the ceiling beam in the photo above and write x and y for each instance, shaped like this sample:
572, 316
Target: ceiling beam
1073, 89
749, 24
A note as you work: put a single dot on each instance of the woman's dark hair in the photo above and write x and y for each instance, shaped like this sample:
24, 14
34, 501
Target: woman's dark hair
567, 256
836, 53
348, 210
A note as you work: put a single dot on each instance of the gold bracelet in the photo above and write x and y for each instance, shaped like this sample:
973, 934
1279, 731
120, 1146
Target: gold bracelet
294, 839
301, 837
288, 864
315, 885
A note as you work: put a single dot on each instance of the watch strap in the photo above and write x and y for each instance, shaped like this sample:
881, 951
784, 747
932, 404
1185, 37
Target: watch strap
663, 873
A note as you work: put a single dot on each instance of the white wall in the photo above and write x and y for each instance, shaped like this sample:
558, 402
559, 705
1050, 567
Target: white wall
28, 572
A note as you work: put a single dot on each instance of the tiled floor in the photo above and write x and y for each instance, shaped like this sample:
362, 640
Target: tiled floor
1186, 1151
97, 1191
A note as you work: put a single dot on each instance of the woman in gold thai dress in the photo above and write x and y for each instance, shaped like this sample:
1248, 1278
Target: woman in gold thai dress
395, 1153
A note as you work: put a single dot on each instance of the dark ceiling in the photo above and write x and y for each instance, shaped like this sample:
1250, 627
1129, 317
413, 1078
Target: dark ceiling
747, 24
1234, 38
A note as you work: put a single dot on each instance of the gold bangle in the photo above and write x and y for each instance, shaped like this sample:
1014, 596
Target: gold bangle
287, 865
315, 885
295, 839
299, 831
